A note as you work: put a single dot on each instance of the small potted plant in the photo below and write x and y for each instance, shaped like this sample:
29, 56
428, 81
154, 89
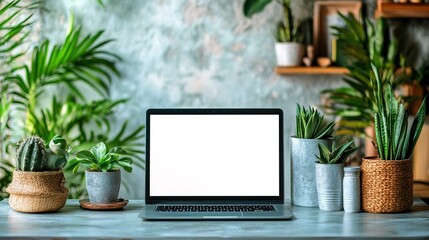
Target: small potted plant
38, 181
329, 175
387, 179
103, 177
289, 34
310, 131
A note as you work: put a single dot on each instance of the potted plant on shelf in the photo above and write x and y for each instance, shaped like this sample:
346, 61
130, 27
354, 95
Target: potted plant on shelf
38, 181
329, 175
361, 42
387, 179
103, 177
288, 34
310, 131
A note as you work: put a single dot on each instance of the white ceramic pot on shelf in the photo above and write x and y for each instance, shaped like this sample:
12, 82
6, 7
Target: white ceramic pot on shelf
289, 54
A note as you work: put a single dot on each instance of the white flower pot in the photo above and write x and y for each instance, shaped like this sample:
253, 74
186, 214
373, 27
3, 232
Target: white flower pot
289, 54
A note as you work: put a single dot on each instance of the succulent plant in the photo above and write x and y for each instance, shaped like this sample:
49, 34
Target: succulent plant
309, 124
335, 155
56, 153
31, 155
100, 159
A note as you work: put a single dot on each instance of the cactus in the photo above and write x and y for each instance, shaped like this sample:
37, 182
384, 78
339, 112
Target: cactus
31, 155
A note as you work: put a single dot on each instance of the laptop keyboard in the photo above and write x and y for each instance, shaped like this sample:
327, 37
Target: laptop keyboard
215, 208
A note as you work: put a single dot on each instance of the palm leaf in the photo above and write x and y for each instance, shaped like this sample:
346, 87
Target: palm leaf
251, 7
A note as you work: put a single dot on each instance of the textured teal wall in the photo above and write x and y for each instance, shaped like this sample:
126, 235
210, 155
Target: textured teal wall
189, 53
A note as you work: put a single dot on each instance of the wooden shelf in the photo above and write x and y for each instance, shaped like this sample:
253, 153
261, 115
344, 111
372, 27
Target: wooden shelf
311, 70
402, 10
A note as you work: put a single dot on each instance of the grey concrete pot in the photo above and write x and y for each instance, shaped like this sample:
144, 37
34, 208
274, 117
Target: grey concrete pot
303, 157
103, 187
329, 178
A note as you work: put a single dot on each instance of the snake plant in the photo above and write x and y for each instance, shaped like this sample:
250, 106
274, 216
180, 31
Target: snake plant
288, 29
362, 42
336, 155
394, 140
309, 124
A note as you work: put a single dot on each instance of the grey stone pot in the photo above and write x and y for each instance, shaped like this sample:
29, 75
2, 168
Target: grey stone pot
303, 157
329, 178
103, 187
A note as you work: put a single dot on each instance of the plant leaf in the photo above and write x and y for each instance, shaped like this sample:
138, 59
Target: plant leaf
251, 7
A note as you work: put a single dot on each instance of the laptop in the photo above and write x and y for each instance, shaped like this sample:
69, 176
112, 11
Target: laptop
214, 164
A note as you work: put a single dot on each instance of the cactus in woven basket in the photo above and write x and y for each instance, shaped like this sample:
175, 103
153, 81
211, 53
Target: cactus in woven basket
31, 155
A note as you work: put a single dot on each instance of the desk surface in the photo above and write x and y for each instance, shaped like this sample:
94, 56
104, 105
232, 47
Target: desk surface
73, 222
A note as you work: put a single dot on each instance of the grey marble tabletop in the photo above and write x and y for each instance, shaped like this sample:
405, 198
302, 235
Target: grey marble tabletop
73, 222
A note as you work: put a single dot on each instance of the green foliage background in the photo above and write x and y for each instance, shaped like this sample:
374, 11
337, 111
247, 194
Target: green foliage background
79, 62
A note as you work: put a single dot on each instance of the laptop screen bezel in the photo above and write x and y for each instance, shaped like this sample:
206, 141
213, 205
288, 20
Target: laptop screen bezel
216, 199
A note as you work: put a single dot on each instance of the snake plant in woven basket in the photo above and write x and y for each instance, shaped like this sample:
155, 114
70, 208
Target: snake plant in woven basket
309, 124
394, 140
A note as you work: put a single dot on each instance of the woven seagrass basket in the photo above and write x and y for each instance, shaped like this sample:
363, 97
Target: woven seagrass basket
387, 185
36, 192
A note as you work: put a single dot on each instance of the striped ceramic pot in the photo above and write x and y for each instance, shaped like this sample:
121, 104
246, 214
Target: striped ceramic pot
329, 179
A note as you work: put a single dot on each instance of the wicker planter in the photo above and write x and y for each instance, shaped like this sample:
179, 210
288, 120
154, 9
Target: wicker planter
387, 185
36, 192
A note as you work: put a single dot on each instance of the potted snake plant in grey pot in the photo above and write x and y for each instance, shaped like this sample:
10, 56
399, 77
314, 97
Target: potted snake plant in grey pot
103, 177
310, 131
329, 175
387, 179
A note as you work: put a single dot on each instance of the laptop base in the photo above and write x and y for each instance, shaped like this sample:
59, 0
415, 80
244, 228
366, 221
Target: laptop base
281, 213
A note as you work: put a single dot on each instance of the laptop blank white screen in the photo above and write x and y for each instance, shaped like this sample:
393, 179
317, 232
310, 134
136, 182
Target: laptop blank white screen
214, 155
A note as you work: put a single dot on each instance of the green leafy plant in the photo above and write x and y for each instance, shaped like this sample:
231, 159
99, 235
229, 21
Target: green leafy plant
310, 125
67, 77
288, 29
362, 42
335, 155
33, 155
394, 141
101, 159
15, 19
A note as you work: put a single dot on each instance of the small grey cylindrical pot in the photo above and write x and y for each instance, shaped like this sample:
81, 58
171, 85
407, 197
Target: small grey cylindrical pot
329, 179
103, 187
303, 156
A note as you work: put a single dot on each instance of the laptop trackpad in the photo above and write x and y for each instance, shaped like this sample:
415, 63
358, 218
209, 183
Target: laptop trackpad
221, 215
